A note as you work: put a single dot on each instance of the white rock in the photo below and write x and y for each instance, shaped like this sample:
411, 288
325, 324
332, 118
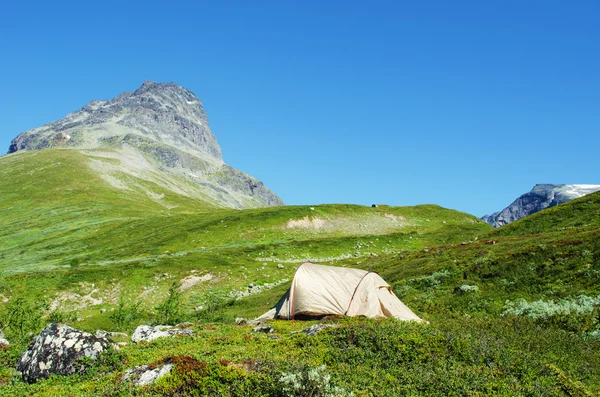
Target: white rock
148, 333
142, 375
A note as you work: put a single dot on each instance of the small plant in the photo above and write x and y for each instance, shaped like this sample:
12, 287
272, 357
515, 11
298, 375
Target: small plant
169, 311
310, 383
62, 317
125, 314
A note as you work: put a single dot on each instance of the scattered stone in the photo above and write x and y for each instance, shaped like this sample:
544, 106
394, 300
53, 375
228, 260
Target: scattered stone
102, 310
122, 344
273, 337
280, 266
58, 350
144, 375
107, 334
312, 330
263, 328
2, 340
148, 333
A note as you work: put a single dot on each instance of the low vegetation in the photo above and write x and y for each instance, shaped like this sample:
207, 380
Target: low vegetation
512, 311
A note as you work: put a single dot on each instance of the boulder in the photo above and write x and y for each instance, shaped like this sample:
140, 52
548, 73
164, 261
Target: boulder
245, 321
265, 329
144, 374
148, 333
2, 340
58, 350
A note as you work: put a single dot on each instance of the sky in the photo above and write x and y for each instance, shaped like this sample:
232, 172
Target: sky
465, 104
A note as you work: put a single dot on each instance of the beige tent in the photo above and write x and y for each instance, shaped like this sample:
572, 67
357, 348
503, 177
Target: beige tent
319, 290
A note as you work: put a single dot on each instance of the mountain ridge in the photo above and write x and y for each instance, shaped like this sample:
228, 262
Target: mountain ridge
158, 131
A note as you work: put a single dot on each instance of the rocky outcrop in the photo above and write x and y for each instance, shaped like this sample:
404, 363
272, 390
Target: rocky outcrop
144, 374
167, 127
58, 349
149, 333
539, 198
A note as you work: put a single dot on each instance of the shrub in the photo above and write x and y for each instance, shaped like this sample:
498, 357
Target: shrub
434, 280
24, 317
125, 314
309, 383
169, 311
544, 309
466, 289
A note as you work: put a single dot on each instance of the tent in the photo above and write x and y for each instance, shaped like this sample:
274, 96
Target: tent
319, 290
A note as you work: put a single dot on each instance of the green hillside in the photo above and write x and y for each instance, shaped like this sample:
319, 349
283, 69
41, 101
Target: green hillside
512, 311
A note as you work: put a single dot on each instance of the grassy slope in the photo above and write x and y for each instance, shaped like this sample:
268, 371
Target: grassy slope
429, 252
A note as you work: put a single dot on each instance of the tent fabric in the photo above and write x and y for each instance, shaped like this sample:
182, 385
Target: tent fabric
319, 290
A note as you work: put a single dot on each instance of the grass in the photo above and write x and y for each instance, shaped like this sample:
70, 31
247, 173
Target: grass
97, 257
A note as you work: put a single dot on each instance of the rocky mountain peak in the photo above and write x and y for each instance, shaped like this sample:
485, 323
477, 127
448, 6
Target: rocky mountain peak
162, 112
542, 196
163, 122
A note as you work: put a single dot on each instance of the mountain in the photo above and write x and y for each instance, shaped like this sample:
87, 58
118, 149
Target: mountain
540, 197
158, 134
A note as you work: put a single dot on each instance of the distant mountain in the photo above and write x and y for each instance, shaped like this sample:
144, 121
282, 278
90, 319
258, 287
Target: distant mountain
540, 197
158, 134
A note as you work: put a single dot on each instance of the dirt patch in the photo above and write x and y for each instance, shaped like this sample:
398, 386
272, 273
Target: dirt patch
395, 218
189, 281
306, 223
94, 297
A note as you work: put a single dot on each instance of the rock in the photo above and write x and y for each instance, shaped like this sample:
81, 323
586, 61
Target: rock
143, 375
280, 266
263, 328
107, 334
245, 321
2, 340
122, 344
102, 310
58, 350
312, 330
148, 333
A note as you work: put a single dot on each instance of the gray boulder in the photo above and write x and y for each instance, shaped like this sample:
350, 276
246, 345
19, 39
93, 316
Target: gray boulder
2, 340
144, 375
263, 328
58, 350
148, 333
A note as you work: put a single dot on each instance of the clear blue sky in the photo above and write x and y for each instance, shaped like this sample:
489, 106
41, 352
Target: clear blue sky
466, 104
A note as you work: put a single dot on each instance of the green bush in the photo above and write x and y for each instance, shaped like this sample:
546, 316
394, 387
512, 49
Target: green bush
125, 315
170, 311
23, 318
